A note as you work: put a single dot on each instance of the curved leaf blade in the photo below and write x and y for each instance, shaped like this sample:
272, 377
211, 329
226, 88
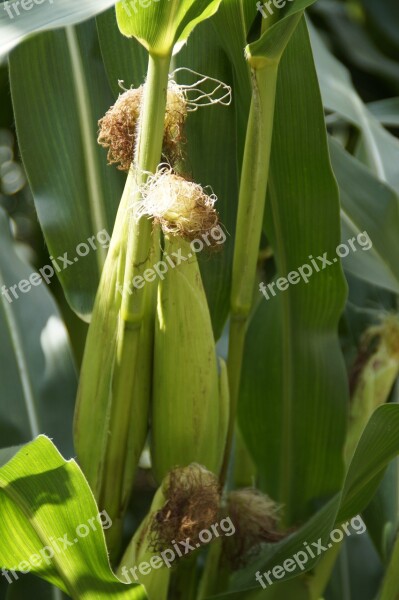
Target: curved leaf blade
371, 206
294, 402
76, 194
379, 150
163, 24
373, 453
274, 39
17, 24
124, 59
43, 498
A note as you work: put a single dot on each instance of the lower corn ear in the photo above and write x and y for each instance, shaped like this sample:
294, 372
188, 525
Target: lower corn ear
186, 503
255, 517
375, 372
192, 504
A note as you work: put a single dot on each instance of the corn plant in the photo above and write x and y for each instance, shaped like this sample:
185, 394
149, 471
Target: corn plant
213, 340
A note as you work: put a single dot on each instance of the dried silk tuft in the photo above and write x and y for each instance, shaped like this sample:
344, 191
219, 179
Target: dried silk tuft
180, 206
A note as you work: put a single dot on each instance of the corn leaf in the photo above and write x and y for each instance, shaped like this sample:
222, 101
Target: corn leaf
75, 193
292, 409
378, 445
271, 43
386, 111
378, 149
124, 59
160, 25
37, 369
19, 22
43, 501
370, 205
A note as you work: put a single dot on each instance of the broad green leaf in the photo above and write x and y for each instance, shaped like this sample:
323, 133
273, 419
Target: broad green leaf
379, 444
160, 25
273, 40
359, 48
292, 408
378, 149
367, 468
75, 193
18, 22
386, 111
369, 205
6, 454
43, 501
36, 366
124, 59
231, 22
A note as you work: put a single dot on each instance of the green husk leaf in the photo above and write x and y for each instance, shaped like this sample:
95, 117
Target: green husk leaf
161, 25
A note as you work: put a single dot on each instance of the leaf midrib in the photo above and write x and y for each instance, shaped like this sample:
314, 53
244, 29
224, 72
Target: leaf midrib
95, 193
286, 464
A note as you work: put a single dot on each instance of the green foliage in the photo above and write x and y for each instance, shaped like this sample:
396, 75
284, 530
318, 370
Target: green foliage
174, 20
303, 159
45, 503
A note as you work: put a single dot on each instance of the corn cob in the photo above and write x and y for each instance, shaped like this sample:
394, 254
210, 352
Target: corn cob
97, 387
188, 423
186, 503
375, 378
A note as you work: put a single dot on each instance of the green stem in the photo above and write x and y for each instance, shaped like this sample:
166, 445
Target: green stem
251, 206
140, 250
